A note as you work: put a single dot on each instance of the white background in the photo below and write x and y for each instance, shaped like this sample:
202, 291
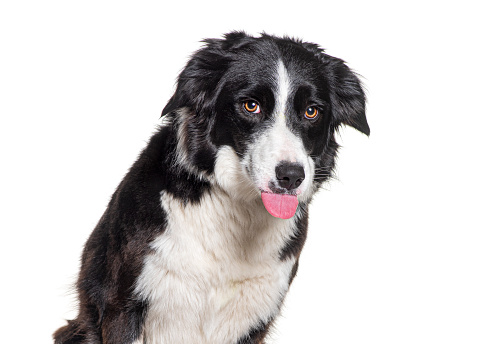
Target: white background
403, 247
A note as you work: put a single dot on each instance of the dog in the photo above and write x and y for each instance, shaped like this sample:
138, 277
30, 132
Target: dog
201, 239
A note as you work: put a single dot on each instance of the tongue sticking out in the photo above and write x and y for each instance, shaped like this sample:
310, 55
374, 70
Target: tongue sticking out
280, 205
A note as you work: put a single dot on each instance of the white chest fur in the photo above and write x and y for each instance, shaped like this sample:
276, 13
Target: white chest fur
215, 272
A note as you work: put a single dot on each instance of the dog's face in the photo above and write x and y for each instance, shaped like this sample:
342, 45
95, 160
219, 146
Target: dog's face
260, 115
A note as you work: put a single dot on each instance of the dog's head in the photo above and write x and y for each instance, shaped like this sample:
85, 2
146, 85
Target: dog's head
258, 116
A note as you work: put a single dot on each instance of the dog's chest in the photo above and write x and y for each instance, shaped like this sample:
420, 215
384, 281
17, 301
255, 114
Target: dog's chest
213, 275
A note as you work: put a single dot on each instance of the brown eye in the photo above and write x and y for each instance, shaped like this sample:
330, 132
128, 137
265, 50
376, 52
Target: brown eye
311, 112
251, 106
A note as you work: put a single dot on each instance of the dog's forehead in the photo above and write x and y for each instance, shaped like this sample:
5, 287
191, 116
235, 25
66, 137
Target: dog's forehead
277, 74
265, 57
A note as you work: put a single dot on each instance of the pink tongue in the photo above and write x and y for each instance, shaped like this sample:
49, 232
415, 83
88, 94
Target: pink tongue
280, 205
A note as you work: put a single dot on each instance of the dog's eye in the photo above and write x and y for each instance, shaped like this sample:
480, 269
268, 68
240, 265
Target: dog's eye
251, 106
311, 112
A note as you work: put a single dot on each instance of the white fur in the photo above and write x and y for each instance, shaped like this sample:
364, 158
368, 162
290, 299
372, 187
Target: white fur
283, 91
215, 271
231, 175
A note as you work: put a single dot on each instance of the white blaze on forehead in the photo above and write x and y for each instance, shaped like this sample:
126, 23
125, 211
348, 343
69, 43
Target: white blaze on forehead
282, 92
285, 144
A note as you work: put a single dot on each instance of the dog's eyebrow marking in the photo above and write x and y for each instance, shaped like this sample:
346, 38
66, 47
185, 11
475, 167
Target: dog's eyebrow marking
283, 89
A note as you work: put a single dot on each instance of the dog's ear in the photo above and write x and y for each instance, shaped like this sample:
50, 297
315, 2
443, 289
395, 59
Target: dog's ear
198, 84
198, 80
347, 95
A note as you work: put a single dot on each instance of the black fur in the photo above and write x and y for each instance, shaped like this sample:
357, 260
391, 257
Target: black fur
212, 86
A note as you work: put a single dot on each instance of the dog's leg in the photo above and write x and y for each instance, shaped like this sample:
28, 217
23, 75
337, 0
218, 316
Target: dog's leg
122, 327
115, 325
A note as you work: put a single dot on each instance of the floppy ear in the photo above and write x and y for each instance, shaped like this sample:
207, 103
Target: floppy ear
198, 83
348, 96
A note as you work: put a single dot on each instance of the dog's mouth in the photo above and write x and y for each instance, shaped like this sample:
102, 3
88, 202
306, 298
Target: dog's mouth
283, 206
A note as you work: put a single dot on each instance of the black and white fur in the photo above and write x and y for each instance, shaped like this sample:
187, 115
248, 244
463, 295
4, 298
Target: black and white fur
186, 251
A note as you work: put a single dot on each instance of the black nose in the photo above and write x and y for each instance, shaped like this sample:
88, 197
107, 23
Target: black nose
290, 175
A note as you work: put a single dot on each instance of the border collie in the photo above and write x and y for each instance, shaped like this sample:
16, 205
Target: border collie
201, 240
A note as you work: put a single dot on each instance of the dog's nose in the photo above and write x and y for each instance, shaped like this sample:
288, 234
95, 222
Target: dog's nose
289, 175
